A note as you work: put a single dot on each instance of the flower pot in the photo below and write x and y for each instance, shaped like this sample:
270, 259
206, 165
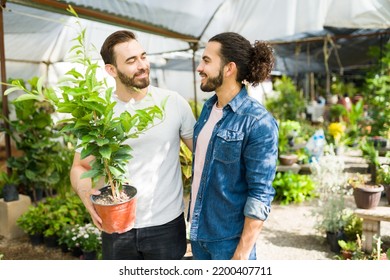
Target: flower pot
367, 197
120, 217
36, 239
76, 252
89, 255
50, 241
10, 193
288, 159
333, 240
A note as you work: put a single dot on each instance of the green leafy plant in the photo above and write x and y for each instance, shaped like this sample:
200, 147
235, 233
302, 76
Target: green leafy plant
87, 102
51, 216
289, 104
6, 179
288, 130
376, 92
44, 161
186, 167
348, 245
371, 155
33, 220
353, 225
355, 119
293, 188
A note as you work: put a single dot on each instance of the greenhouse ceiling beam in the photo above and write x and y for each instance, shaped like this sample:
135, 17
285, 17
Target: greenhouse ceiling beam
104, 17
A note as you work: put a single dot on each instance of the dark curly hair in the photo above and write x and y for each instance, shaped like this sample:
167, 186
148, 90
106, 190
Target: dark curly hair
254, 62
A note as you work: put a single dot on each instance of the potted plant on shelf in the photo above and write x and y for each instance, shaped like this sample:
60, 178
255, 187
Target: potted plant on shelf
9, 186
87, 102
366, 195
288, 130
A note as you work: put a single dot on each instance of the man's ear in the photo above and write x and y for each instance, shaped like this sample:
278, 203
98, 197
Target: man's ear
230, 69
111, 70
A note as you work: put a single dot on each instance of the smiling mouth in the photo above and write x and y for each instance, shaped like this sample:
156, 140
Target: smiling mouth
143, 74
202, 76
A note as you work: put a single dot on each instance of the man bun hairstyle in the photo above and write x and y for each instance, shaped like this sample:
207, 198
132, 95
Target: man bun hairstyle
254, 62
107, 49
262, 62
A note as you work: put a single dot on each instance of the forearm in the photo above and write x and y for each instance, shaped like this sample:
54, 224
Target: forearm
250, 233
81, 186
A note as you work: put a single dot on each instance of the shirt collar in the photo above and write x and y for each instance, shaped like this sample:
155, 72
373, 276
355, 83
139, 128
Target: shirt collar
234, 104
237, 101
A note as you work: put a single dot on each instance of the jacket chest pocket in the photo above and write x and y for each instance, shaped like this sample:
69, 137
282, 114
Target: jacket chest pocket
228, 145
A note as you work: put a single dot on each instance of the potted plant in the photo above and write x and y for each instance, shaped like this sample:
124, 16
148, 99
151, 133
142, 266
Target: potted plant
348, 248
9, 186
366, 195
87, 101
40, 165
328, 175
288, 130
371, 155
336, 131
32, 222
88, 238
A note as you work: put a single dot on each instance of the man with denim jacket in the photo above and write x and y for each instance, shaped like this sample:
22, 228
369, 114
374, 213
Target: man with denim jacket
235, 151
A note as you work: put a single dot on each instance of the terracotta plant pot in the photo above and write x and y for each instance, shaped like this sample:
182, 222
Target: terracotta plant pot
288, 159
117, 218
367, 197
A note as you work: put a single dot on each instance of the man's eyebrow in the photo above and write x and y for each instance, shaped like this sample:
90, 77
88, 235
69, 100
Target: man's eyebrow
206, 57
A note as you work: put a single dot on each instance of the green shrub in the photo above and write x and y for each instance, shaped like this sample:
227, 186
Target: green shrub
353, 226
293, 188
50, 217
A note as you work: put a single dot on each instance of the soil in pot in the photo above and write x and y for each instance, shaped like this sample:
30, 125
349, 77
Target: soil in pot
119, 217
367, 197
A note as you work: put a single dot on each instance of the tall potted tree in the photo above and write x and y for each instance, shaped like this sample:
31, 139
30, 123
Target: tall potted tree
86, 101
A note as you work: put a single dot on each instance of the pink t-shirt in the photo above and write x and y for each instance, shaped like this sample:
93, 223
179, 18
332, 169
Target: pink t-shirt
200, 152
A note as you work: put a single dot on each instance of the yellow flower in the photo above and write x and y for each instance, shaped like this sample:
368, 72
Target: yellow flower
336, 129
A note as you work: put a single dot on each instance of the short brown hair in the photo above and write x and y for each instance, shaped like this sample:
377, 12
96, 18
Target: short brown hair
107, 50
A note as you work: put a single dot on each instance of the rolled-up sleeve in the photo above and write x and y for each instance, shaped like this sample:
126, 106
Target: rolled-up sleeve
256, 209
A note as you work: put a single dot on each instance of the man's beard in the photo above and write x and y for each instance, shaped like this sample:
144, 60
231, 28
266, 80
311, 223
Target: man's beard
131, 82
212, 83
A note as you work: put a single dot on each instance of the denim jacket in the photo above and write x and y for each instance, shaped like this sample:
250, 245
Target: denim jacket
238, 171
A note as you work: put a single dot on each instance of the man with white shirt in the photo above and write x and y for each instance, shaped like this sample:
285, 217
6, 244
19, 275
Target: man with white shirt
159, 231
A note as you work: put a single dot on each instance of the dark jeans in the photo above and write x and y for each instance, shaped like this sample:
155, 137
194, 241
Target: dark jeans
217, 250
164, 242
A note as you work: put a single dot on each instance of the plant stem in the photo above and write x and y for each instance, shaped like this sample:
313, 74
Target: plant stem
113, 189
